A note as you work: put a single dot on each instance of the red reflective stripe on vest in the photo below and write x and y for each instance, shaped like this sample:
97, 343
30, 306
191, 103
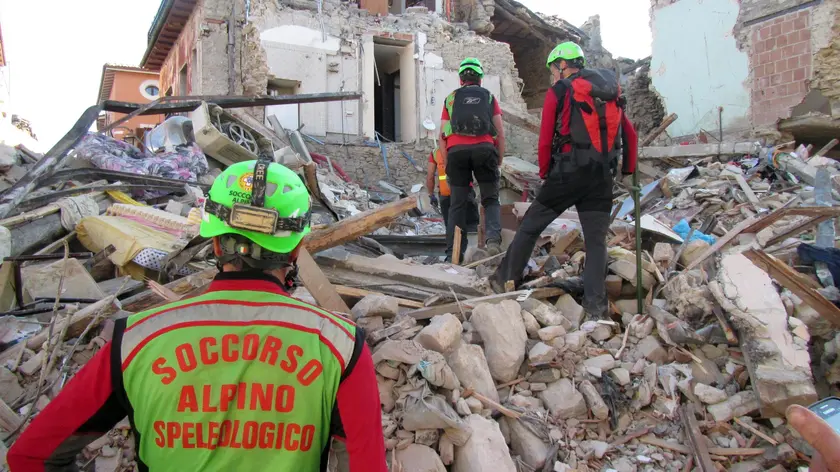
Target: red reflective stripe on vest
243, 303
190, 324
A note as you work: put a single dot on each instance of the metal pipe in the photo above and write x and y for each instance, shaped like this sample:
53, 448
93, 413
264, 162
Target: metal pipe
49, 257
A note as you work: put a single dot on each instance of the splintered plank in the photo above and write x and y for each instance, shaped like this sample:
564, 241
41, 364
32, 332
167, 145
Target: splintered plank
358, 225
318, 285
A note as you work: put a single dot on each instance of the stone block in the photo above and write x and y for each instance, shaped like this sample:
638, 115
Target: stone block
470, 365
542, 353
652, 350
550, 332
571, 310
485, 449
419, 458
740, 404
526, 444
575, 341
614, 284
563, 400
532, 326
545, 314
663, 252
442, 334
709, 395
503, 331
376, 305
604, 362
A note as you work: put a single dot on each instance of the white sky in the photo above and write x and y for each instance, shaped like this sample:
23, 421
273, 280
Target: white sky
56, 48
625, 24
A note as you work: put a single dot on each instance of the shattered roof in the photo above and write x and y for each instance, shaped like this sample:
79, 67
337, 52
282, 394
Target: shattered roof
524, 22
170, 20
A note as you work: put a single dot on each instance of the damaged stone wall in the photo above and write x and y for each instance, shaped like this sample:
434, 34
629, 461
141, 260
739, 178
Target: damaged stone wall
477, 14
826, 61
644, 106
365, 165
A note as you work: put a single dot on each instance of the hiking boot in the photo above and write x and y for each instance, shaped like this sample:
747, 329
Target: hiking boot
493, 248
477, 255
495, 285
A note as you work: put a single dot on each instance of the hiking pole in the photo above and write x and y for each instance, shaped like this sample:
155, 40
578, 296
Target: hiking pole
636, 191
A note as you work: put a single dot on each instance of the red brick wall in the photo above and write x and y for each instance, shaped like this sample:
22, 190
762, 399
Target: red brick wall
782, 65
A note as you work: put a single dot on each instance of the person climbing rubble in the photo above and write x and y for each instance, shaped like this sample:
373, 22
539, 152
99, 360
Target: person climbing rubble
579, 145
442, 200
473, 144
242, 377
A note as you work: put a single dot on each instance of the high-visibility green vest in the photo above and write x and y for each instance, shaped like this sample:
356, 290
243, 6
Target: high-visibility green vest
234, 380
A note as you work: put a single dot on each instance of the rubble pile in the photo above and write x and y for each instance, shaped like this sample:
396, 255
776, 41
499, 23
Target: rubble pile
738, 321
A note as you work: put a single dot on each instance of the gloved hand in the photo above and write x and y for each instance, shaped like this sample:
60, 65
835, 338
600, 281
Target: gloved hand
434, 200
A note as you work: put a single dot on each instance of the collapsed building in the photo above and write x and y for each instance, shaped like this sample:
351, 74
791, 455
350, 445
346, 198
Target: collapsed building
404, 65
745, 69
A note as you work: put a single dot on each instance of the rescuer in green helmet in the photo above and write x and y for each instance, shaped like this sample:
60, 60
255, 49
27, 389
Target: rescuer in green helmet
584, 132
472, 143
243, 377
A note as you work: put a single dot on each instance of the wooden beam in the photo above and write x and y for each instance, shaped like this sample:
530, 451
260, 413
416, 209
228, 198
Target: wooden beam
696, 439
456, 246
658, 130
359, 225
828, 147
318, 285
777, 215
792, 280
798, 229
745, 187
469, 304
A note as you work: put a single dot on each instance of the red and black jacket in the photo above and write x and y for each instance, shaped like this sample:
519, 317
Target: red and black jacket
568, 122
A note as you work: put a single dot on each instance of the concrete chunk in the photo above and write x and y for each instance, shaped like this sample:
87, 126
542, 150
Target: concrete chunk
594, 401
470, 365
571, 310
485, 450
419, 458
627, 271
575, 341
532, 326
603, 362
663, 252
709, 395
563, 400
542, 353
740, 404
503, 331
376, 305
652, 350
620, 375
526, 444
550, 332
442, 334
546, 315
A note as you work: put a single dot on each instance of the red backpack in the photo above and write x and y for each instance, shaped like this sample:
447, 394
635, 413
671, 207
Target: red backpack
593, 124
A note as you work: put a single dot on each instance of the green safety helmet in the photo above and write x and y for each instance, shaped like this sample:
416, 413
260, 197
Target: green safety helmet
566, 51
272, 209
472, 64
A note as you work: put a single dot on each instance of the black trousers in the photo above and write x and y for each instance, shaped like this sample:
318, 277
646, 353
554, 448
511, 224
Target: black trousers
462, 163
590, 192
